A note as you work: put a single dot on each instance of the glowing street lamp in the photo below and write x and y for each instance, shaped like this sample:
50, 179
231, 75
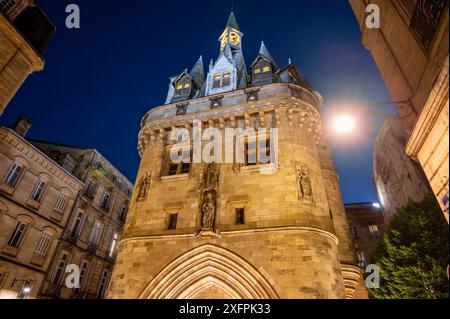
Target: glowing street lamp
344, 124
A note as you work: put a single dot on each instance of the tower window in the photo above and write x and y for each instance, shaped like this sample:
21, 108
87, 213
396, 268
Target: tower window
184, 167
262, 71
257, 152
183, 87
240, 216
173, 218
221, 80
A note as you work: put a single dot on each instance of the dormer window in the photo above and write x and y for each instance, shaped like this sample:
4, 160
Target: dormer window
262, 72
183, 87
221, 80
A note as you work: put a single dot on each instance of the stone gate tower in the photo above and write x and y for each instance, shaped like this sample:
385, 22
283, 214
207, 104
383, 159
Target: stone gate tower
236, 230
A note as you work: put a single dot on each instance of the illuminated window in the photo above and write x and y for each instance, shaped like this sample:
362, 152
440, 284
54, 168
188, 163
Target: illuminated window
221, 80
257, 71
374, 231
266, 69
183, 87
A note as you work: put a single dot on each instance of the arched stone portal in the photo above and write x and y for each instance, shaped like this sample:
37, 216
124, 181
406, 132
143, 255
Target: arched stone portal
209, 271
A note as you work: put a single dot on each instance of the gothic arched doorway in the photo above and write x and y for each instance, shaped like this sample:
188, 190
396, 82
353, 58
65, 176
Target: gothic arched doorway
211, 272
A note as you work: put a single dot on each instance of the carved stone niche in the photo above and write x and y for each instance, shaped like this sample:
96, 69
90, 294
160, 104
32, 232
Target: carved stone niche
304, 184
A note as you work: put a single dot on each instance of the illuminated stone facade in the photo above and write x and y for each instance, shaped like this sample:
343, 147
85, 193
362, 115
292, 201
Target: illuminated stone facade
21, 45
411, 51
397, 178
36, 201
228, 230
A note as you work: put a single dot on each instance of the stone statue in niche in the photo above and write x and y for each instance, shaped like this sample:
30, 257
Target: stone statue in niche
208, 211
305, 187
144, 186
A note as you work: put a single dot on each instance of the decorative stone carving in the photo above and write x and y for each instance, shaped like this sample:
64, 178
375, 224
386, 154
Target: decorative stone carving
210, 177
304, 184
144, 186
208, 211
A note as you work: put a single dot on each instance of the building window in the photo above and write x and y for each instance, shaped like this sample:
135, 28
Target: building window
178, 168
7, 5
103, 284
76, 228
106, 200
113, 245
123, 212
39, 191
60, 269
95, 234
25, 289
262, 70
43, 245
61, 203
257, 152
90, 189
17, 235
355, 234
361, 259
240, 216
173, 219
221, 80
374, 232
425, 20
3, 275
84, 269
183, 87
13, 176
68, 166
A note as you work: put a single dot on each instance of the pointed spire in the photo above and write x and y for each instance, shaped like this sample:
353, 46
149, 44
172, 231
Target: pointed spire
198, 72
265, 52
232, 22
211, 65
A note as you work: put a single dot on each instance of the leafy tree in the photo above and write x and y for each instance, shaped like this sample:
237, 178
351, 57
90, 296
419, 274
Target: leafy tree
413, 254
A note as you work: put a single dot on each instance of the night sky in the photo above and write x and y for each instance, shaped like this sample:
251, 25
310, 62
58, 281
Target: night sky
99, 80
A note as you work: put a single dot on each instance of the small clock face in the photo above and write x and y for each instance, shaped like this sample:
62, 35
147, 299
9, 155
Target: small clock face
235, 39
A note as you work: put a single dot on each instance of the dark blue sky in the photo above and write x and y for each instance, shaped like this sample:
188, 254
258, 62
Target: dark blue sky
100, 80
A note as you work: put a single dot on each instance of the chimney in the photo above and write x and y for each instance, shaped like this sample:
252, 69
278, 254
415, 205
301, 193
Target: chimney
22, 126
